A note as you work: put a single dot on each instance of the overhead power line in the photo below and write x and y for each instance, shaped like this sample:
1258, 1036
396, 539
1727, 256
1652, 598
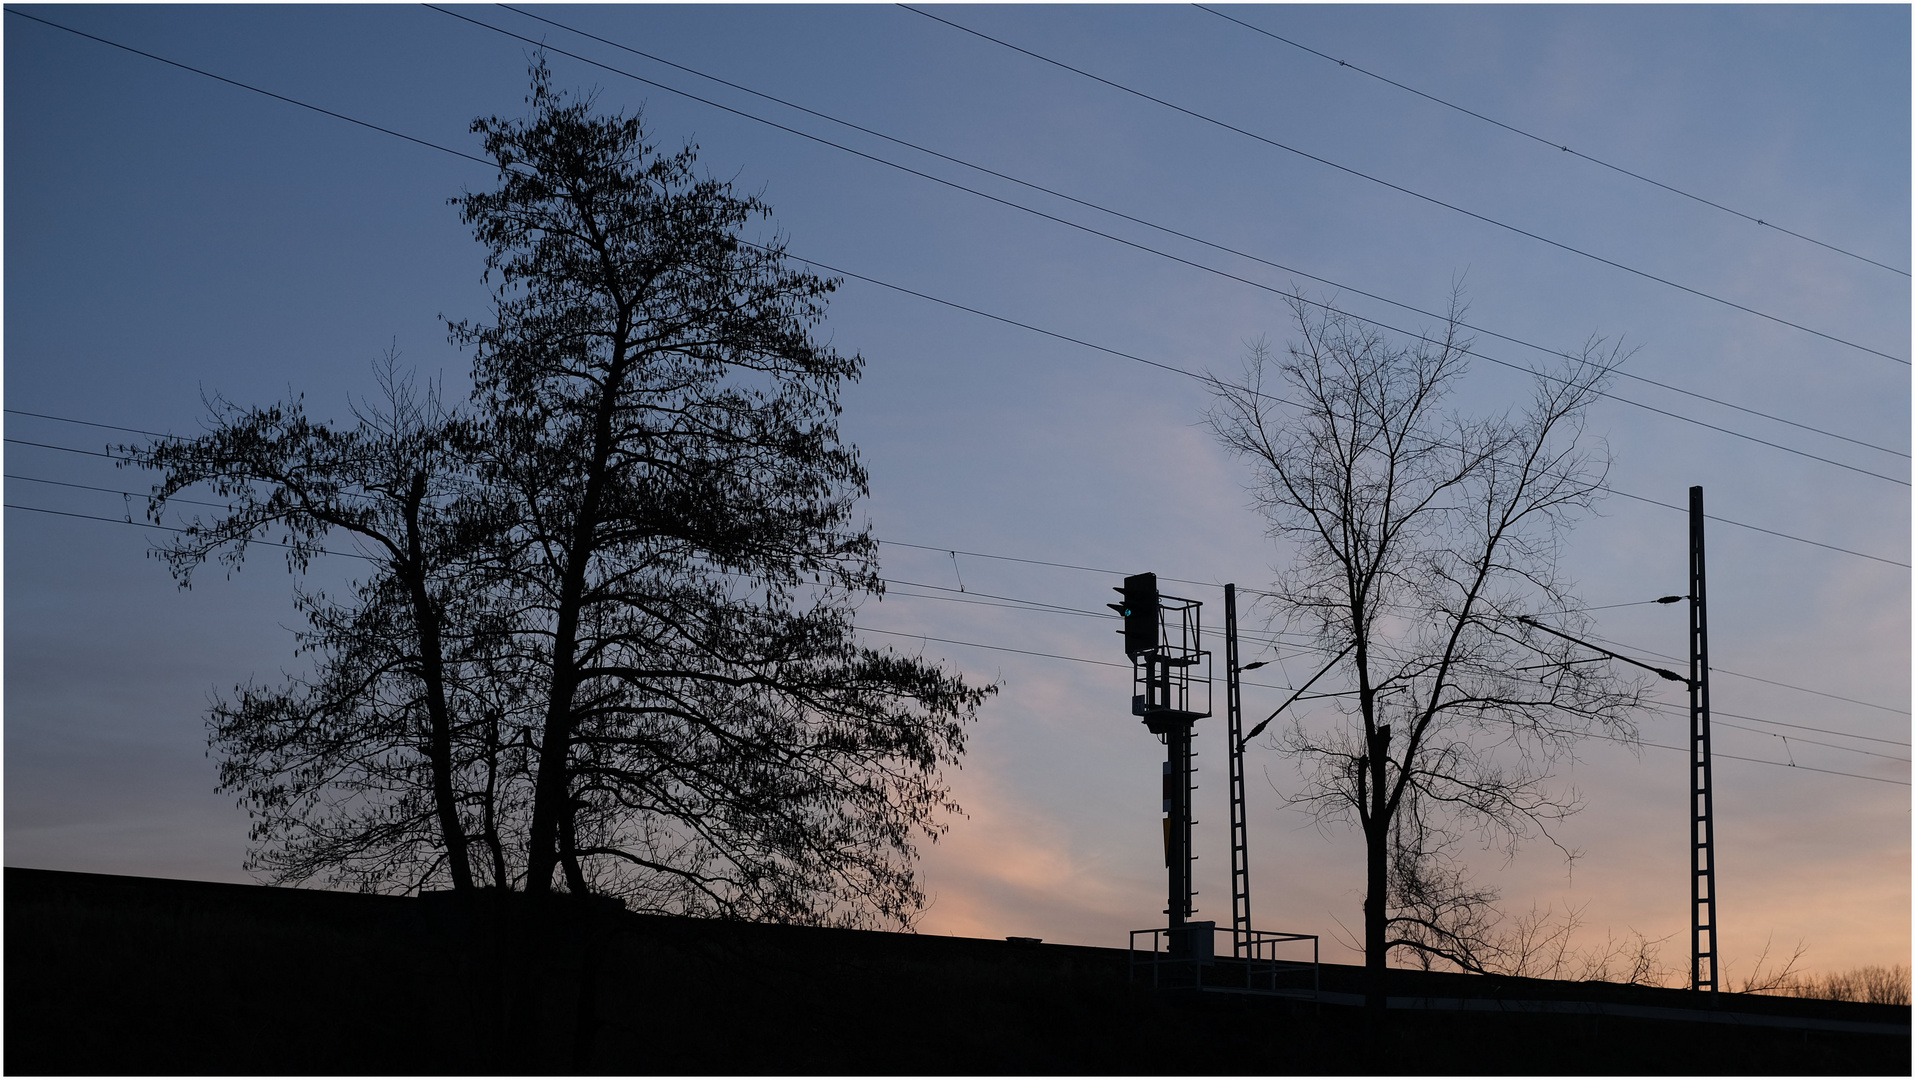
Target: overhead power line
1289, 294
1411, 192
1074, 225
115, 491
1215, 246
125, 460
67, 449
254, 89
166, 528
1191, 374
1760, 529
875, 281
1551, 143
1206, 379
1075, 341
91, 423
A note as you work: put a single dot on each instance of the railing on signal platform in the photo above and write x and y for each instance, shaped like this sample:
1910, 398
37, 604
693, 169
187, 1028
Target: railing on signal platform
1176, 957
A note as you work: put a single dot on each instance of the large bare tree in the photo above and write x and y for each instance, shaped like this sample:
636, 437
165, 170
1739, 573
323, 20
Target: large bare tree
1417, 541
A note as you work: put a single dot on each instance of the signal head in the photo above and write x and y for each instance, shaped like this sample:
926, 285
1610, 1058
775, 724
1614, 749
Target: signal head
1139, 610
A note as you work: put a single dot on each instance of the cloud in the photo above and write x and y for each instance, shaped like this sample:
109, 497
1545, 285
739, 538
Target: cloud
1010, 869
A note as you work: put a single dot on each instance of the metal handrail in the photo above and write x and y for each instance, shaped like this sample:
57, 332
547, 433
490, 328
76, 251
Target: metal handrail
1256, 961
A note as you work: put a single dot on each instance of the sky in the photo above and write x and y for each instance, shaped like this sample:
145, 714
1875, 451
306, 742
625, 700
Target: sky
170, 237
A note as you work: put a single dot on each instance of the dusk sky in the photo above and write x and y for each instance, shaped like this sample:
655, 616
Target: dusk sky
170, 237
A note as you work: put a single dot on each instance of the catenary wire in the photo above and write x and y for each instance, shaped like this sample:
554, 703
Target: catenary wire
1805, 690
1753, 678
1755, 528
1022, 604
1294, 647
322, 551
1015, 604
1277, 640
423, 142
974, 554
1643, 651
1414, 194
1211, 584
1266, 686
1226, 249
1607, 738
1267, 640
1759, 761
1794, 740
1715, 712
1551, 143
1717, 719
68, 449
1012, 603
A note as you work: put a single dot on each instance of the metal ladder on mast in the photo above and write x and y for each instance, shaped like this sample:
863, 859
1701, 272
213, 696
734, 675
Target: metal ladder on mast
1702, 830
1239, 833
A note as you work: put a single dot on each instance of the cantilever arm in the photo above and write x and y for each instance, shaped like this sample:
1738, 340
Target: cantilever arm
1664, 672
1258, 730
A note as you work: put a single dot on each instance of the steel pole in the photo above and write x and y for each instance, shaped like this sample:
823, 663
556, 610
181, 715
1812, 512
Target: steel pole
1702, 862
1177, 824
1239, 826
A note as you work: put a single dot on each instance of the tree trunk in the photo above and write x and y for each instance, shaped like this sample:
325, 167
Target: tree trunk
551, 790
568, 850
552, 795
1376, 914
440, 752
425, 617
489, 821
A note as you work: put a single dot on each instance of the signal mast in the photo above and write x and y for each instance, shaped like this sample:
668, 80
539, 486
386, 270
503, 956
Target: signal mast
1171, 692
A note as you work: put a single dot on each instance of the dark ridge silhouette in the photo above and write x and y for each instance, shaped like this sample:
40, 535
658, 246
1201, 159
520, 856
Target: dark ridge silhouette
115, 975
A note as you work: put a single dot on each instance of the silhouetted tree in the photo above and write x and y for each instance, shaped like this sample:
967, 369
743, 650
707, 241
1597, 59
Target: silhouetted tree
661, 430
361, 771
608, 624
1417, 539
